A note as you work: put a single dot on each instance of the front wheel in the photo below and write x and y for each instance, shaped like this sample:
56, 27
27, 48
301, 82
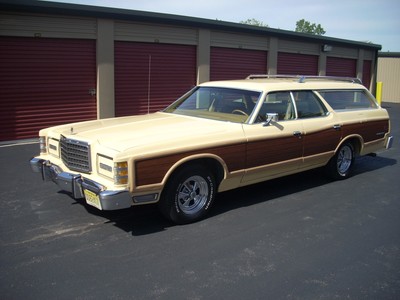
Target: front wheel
188, 195
340, 166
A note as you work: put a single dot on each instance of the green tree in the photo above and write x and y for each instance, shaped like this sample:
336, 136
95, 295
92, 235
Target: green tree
254, 22
306, 27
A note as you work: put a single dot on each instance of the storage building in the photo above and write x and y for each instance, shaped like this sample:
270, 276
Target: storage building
66, 63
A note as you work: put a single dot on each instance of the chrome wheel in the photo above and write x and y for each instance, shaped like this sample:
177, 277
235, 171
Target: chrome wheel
340, 166
344, 160
193, 195
189, 194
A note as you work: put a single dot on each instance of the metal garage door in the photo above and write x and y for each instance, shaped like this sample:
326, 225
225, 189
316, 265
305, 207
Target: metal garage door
230, 63
148, 77
297, 64
367, 73
337, 66
45, 82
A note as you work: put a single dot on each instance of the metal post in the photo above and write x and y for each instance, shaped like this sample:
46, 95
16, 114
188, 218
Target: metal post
379, 92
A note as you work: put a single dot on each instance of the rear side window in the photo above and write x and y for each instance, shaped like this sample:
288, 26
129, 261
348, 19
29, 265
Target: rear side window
308, 105
348, 99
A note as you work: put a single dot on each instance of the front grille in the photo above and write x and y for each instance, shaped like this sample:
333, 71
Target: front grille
75, 155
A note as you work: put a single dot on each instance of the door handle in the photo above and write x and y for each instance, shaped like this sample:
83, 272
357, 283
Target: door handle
297, 133
337, 126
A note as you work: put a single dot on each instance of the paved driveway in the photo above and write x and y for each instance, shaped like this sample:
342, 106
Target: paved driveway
298, 237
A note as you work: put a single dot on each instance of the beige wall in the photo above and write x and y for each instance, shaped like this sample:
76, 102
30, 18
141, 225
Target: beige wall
389, 75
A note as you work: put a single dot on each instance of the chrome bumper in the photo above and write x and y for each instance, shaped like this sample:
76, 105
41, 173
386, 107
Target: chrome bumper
76, 184
389, 142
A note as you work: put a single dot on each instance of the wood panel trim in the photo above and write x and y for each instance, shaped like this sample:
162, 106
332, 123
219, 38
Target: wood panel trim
153, 170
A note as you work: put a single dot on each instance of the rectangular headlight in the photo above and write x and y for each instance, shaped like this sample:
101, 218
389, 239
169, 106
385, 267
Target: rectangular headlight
53, 147
105, 166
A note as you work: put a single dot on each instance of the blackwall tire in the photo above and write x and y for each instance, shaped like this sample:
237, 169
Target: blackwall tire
188, 195
341, 165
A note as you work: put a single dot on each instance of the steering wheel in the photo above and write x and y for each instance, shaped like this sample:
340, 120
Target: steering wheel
239, 112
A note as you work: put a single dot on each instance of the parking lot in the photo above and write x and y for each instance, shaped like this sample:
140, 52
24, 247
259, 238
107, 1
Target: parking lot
298, 237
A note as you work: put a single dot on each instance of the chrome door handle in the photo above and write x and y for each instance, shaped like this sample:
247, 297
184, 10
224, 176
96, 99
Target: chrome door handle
297, 133
337, 126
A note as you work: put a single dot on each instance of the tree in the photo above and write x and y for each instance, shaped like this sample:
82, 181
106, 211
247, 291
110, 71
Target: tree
306, 27
254, 22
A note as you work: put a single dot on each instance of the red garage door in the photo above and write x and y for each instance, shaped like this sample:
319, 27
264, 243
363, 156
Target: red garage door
297, 64
228, 63
45, 82
367, 73
148, 77
336, 66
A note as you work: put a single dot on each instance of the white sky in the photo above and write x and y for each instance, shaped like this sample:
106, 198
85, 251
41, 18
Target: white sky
376, 21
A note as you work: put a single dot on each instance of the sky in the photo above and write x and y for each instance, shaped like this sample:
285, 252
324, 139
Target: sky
375, 21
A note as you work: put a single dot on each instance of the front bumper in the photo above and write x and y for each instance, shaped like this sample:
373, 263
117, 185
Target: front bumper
81, 187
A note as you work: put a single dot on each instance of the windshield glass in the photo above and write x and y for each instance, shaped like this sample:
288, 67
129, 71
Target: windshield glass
216, 103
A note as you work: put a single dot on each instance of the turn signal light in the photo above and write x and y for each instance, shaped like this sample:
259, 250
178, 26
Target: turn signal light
42, 145
121, 172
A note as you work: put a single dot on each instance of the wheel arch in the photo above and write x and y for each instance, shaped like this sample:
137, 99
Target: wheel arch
356, 141
212, 162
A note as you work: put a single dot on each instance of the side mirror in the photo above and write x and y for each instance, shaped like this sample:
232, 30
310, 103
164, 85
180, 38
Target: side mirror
271, 118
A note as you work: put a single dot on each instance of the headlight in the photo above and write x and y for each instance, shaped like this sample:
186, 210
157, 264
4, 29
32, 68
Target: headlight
53, 147
105, 166
113, 170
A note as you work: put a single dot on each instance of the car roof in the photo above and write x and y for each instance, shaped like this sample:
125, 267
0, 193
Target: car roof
265, 83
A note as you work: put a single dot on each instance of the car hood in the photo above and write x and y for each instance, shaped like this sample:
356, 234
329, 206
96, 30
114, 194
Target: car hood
151, 131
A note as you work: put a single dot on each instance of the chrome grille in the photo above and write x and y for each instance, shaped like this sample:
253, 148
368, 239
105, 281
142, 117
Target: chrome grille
75, 155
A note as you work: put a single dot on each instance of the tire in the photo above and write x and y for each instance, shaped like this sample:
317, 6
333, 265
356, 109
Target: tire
188, 195
341, 165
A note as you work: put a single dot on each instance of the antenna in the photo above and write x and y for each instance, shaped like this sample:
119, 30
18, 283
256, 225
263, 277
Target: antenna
149, 86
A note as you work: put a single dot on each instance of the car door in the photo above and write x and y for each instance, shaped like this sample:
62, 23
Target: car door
273, 149
321, 130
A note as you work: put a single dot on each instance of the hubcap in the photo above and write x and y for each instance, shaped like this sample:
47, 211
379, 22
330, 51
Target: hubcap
193, 194
344, 160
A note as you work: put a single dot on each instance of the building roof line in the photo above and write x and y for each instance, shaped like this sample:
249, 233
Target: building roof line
171, 19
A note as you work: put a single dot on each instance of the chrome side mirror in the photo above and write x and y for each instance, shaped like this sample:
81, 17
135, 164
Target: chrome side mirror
271, 118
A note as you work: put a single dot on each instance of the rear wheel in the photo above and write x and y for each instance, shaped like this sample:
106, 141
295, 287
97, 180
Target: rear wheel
188, 195
340, 166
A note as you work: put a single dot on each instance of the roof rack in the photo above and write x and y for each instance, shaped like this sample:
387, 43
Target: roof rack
302, 78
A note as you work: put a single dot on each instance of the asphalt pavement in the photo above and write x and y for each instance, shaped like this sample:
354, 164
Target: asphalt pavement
297, 237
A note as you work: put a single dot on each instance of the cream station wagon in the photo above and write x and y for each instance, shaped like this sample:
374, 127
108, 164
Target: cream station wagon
217, 137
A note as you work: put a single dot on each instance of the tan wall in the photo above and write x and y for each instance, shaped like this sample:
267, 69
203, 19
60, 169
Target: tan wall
389, 75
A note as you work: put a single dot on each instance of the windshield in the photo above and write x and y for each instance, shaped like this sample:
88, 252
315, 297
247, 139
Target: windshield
216, 103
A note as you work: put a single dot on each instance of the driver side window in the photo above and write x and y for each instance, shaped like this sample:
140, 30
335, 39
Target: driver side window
277, 103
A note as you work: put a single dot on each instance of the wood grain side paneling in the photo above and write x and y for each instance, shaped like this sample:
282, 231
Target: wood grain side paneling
153, 170
369, 131
269, 151
321, 142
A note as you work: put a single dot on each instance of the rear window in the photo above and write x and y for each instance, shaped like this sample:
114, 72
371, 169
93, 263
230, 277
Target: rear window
348, 99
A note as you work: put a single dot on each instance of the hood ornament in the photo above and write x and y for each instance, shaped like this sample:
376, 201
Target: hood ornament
72, 130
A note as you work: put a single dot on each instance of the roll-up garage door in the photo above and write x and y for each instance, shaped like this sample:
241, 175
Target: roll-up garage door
149, 77
337, 66
297, 64
367, 73
45, 82
230, 63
